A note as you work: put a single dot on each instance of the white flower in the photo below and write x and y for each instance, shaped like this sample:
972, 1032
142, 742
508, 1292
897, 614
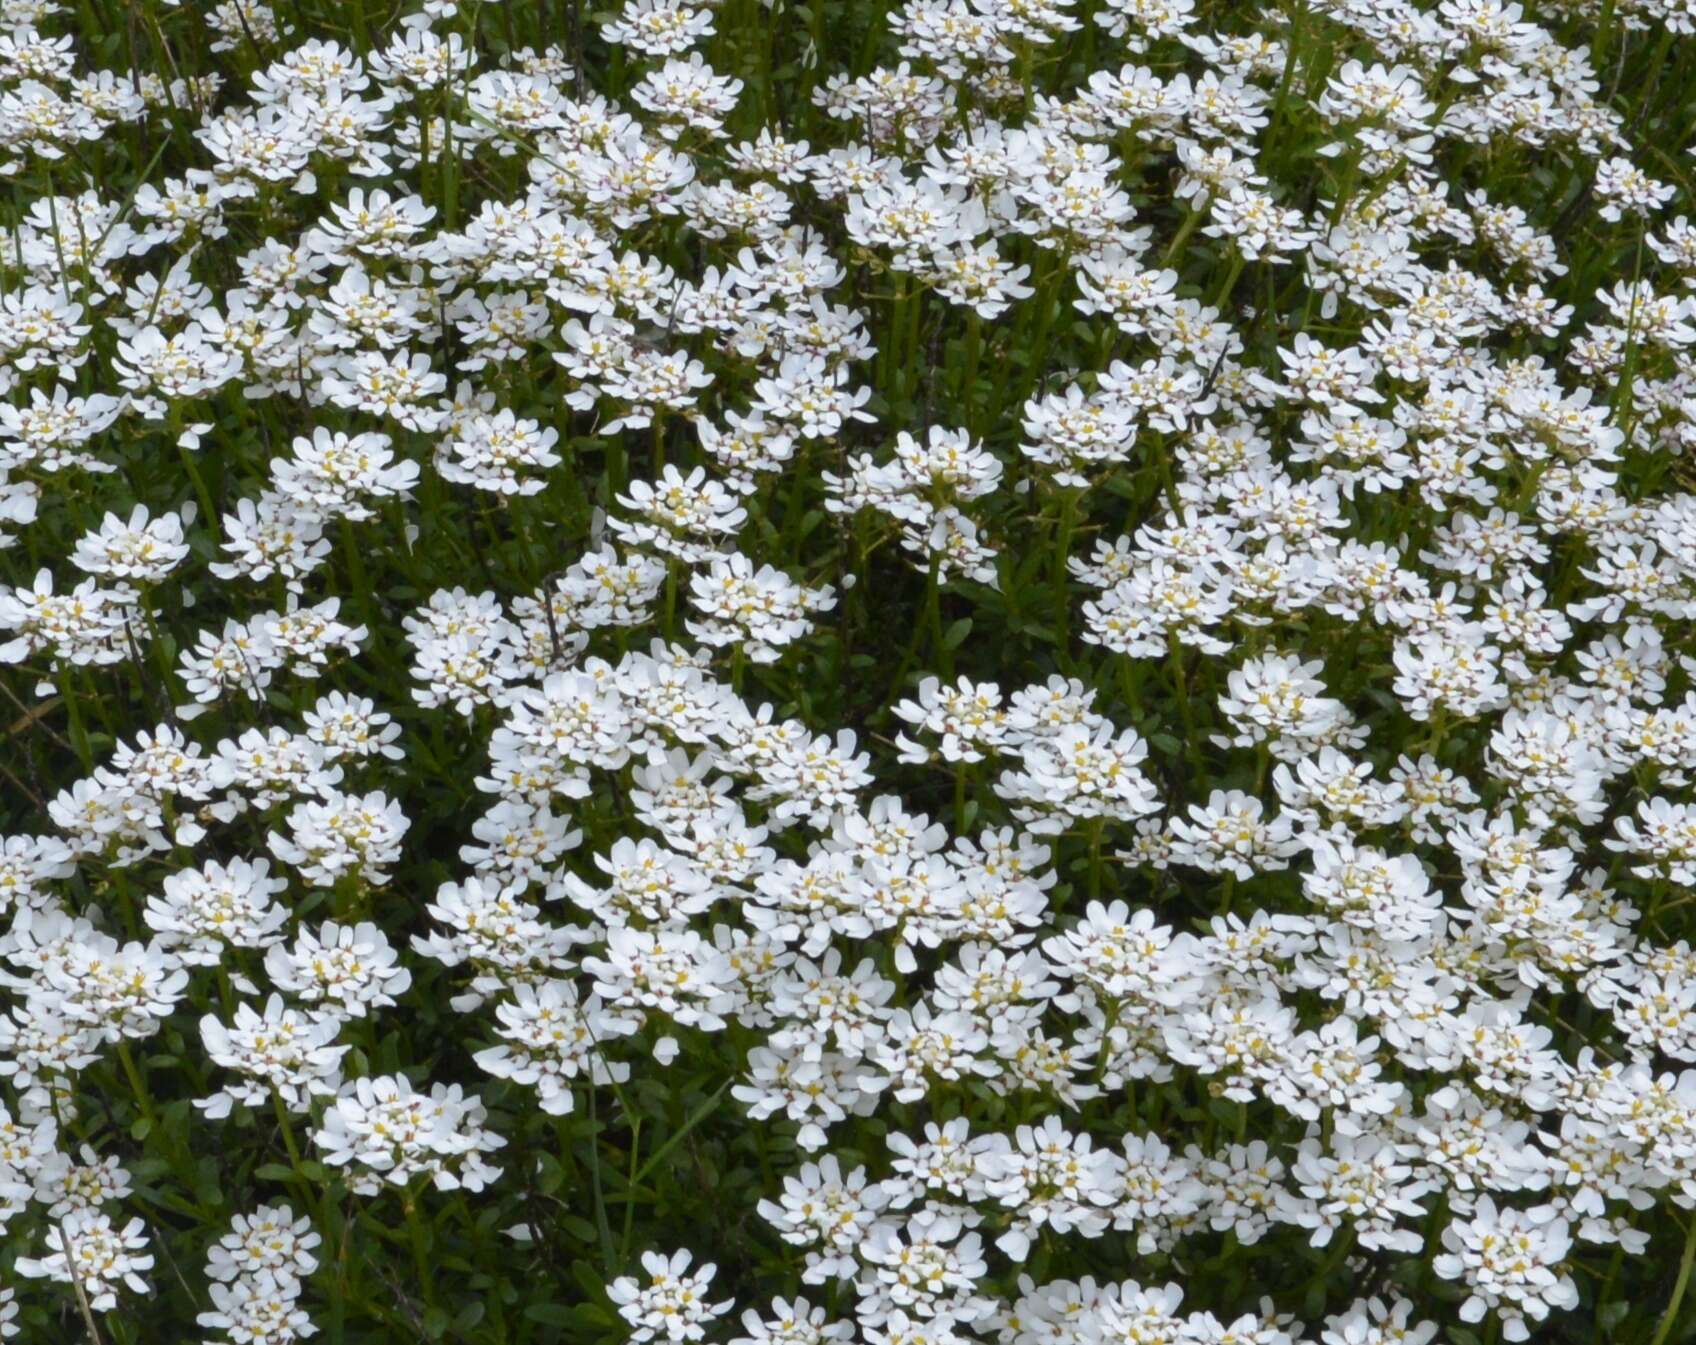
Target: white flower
86, 1248
758, 610
1510, 1261
270, 1239
344, 834
349, 970
206, 910
142, 549
384, 1132
550, 1040
672, 1305
281, 1052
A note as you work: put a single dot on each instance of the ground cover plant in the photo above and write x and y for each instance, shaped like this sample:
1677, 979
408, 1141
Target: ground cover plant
1002, 671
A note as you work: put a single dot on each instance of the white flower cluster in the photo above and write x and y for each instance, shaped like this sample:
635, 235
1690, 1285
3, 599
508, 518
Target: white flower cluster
538, 478
384, 1131
256, 1275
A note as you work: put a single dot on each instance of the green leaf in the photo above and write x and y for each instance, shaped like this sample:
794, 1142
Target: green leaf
552, 1174
588, 1278
468, 1316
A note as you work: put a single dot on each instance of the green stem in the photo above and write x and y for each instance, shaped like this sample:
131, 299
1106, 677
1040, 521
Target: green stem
933, 616
137, 1084
1128, 689
1229, 283
974, 355
1191, 223
630, 1188
287, 1127
1058, 581
1095, 828
420, 1250
201, 493
1298, 11
79, 731
1679, 1286
356, 569
603, 1225
1175, 660
669, 627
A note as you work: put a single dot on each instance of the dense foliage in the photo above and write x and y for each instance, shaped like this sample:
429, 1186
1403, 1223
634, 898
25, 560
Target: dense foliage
1000, 671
